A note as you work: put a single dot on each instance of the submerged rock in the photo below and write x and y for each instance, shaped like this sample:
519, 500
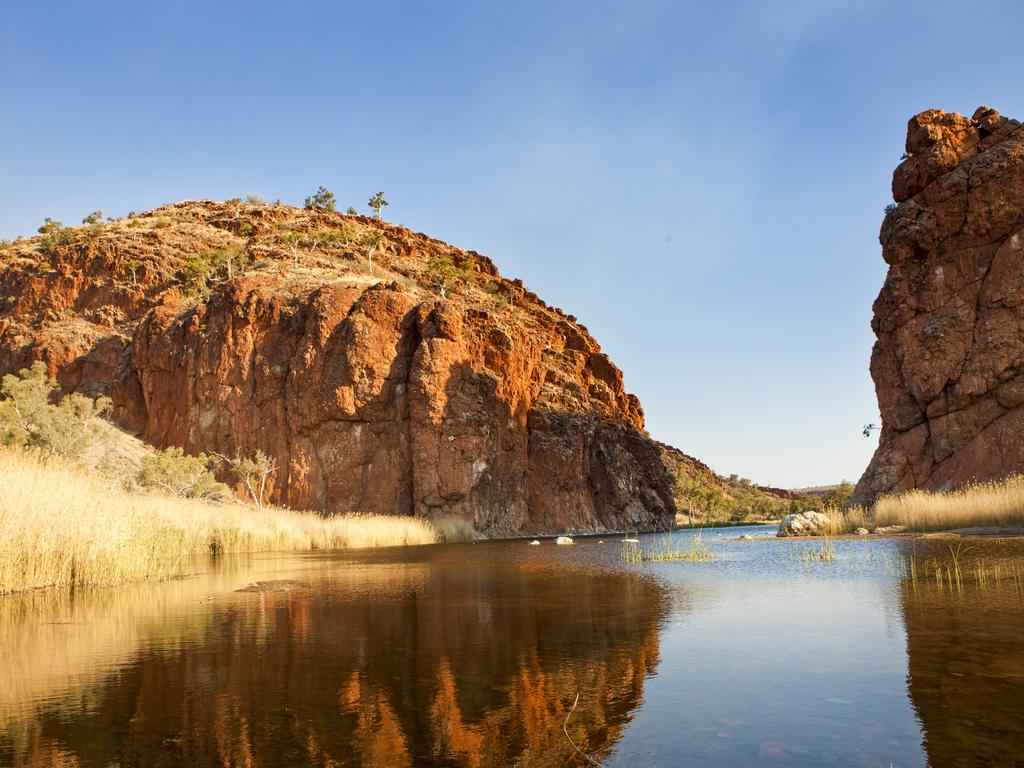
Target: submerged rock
276, 585
809, 523
534, 543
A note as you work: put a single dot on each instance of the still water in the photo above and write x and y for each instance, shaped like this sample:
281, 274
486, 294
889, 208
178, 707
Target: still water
473, 655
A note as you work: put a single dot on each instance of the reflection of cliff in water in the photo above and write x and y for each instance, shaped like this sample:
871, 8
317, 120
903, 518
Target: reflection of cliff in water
966, 659
471, 664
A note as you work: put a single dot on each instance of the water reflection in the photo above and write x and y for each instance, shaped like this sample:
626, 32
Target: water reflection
445, 659
473, 655
965, 644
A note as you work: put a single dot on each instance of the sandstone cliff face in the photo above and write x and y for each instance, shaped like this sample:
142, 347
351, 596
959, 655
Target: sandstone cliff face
948, 365
372, 391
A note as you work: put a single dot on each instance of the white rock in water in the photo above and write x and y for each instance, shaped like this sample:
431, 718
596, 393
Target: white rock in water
809, 523
631, 541
563, 540
534, 543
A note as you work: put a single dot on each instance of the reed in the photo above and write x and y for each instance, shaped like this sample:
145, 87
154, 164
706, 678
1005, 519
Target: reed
666, 547
826, 552
985, 505
63, 525
452, 529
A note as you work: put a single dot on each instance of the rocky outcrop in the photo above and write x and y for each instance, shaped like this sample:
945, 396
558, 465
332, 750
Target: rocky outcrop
948, 364
423, 383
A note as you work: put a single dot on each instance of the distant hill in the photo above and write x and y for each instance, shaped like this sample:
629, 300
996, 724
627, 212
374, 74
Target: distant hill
703, 496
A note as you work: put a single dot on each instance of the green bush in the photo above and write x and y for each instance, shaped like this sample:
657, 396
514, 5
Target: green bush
195, 273
175, 472
446, 275
29, 416
93, 218
54, 234
342, 235
202, 269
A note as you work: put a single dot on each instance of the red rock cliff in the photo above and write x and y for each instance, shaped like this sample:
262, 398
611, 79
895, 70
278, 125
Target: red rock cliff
948, 365
424, 383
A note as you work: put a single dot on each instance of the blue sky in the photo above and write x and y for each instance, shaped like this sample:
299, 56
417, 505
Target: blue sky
700, 183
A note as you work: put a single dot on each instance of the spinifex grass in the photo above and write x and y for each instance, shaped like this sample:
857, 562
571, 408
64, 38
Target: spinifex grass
666, 547
63, 525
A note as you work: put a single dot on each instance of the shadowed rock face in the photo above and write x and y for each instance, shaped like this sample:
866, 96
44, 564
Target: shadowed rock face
372, 392
948, 364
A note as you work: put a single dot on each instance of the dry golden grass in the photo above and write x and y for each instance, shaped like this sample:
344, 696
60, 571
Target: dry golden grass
64, 525
988, 505
453, 529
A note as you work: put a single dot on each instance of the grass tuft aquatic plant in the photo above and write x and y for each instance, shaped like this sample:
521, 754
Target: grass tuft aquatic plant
826, 552
665, 548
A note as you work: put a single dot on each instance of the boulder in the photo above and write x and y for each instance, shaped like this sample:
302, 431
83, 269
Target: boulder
563, 540
809, 523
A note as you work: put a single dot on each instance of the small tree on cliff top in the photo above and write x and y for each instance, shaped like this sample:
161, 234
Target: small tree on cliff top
377, 202
323, 200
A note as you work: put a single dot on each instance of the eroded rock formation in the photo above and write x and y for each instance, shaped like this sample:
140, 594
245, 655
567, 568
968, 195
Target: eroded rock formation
423, 383
948, 364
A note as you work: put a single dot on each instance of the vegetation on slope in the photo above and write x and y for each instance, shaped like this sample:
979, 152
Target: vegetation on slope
703, 497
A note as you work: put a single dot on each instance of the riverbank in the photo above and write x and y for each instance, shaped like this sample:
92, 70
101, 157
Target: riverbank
64, 525
980, 507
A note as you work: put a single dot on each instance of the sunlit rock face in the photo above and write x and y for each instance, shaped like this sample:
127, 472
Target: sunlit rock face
401, 387
948, 364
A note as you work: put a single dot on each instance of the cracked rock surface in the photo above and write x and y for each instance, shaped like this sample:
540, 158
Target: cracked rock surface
948, 363
375, 386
